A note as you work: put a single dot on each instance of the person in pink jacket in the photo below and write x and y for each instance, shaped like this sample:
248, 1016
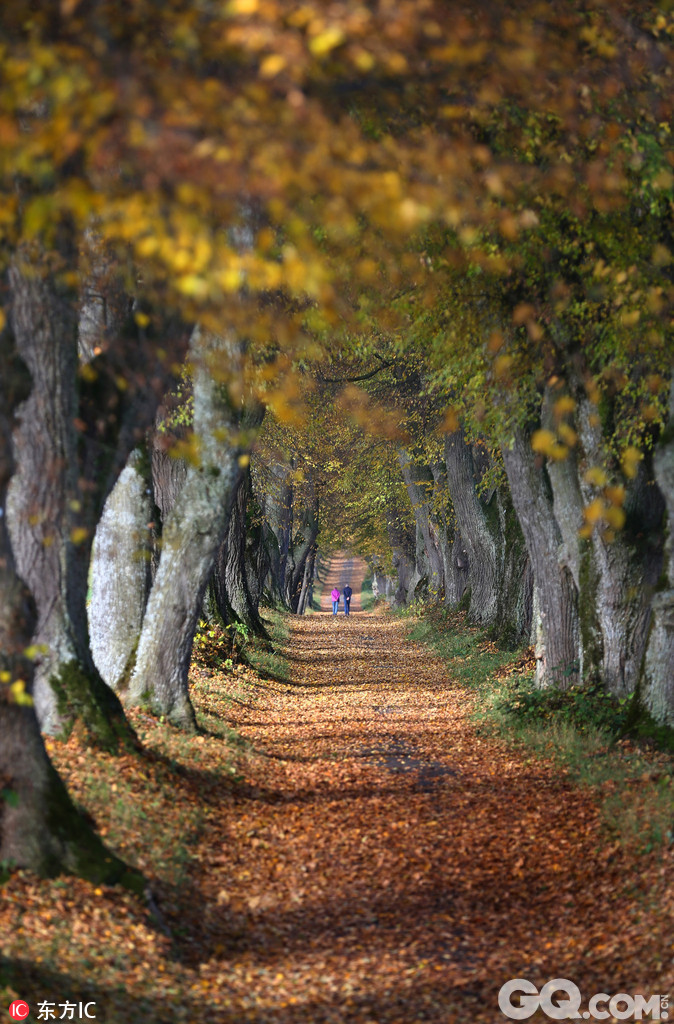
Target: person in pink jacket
335, 600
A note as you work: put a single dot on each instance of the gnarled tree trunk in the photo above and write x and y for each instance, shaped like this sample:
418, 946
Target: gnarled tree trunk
49, 513
625, 568
40, 828
559, 630
191, 538
498, 569
231, 582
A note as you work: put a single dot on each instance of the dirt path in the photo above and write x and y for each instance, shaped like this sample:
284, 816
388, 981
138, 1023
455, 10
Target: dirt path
392, 866
358, 852
343, 569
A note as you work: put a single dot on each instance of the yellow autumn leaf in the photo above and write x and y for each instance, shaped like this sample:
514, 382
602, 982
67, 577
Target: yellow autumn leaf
243, 6
187, 448
272, 65
558, 452
616, 495
363, 60
661, 256
326, 41
564, 405
615, 517
596, 477
192, 285
630, 317
593, 512
567, 434
542, 441
631, 458
79, 534
18, 693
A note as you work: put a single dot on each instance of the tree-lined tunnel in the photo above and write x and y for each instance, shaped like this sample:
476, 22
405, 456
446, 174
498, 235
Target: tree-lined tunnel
304, 297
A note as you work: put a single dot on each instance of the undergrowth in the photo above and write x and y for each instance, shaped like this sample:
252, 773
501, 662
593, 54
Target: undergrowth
583, 730
228, 648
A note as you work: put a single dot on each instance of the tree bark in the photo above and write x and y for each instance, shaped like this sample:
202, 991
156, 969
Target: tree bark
40, 828
402, 545
498, 568
303, 542
454, 554
419, 484
120, 572
307, 582
480, 538
191, 537
625, 568
559, 631
49, 511
277, 508
656, 688
231, 577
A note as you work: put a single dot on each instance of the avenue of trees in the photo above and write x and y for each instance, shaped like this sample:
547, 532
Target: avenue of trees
395, 277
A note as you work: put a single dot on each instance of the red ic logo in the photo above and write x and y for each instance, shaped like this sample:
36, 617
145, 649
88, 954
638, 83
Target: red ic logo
19, 1009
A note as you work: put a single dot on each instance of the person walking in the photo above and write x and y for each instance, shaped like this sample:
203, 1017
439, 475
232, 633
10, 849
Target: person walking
347, 592
335, 600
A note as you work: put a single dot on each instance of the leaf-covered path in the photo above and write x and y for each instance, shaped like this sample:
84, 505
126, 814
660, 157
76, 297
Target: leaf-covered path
371, 857
395, 866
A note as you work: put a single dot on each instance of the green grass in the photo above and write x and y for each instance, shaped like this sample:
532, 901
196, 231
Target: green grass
367, 598
581, 729
268, 658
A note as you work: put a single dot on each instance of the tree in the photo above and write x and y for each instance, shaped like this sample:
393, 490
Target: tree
193, 532
40, 828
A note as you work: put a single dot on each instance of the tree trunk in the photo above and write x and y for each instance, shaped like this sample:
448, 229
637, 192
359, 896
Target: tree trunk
656, 690
231, 583
277, 507
303, 542
48, 513
191, 538
40, 828
498, 568
429, 560
559, 635
402, 544
120, 573
307, 582
454, 554
475, 520
626, 567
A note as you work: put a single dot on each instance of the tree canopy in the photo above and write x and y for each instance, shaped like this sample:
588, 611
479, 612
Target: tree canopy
282, 274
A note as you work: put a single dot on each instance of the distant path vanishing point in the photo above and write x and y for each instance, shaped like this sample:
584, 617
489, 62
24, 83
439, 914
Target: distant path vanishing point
344, 568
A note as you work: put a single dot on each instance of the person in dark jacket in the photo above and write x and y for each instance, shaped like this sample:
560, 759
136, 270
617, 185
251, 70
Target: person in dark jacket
346, 594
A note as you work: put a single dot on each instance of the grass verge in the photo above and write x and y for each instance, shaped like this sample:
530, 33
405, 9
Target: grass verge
367, 598
267, 658
581, 729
